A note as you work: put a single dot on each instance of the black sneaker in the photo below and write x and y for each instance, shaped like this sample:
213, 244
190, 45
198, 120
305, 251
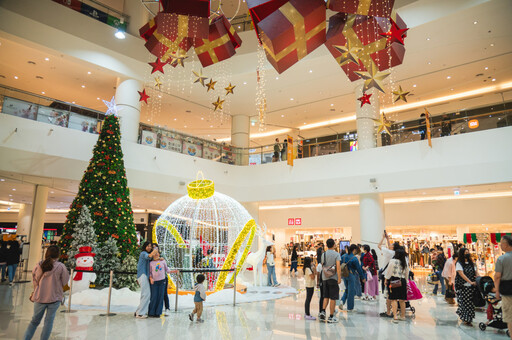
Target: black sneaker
385, 315
332, 319
321, 316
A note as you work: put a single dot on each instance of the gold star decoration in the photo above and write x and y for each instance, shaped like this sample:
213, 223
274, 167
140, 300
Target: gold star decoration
200, 77
229, 89
401, 95
373, 78
218, 104
211, 85
158, 83
348, 52
178, 59
383, 124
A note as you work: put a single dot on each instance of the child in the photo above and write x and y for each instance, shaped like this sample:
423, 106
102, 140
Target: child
208, 263
157, 275
309, 276
199, 297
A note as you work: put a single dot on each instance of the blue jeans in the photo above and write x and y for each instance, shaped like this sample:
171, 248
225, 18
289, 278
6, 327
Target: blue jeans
443, 288
271, 273
11, 271
39, 309
350, 290
156, 303
3, 268
145, 295
293, 266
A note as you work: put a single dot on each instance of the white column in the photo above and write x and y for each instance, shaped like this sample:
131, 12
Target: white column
461, 230
139, 16
365, 116
128, 107
371, 218
240, 132
37, 225
24, 220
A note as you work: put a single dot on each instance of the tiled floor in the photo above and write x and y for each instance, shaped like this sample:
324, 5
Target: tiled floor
278, 319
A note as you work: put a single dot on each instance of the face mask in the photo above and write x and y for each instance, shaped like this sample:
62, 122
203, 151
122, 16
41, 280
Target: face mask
467, 256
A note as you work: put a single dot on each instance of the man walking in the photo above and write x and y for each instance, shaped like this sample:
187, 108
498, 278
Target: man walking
331, 278
503, 279
277, 150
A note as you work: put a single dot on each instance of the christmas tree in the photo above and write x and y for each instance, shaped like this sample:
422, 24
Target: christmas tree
83, 236
107, 259
128, 280
104, 190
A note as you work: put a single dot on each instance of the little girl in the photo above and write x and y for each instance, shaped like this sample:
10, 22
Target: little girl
157, 275
199, 297
309, 276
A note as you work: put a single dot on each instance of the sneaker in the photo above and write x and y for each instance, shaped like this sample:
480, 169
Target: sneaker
332, 319
321, 316
11, 284
191, 316
309, 317
277, 285
401, 319
385, 315
200, 320
350, 310
141, 316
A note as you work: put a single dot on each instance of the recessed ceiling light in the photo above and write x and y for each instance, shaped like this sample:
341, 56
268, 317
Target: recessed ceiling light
159, 96
2, 180
47, 59
42, 92
11, 200
332, 104
175, 118
291, 98
493, 79
13, 189
211, 126
429, 63
492, 45
451, 89
282, 116
277, 78
51, 192
83, 86
310, 71
10, 195
304, 123
475, 22
98, 98
88, 72
15, 77
72, 102
202, 118
428, 39
245, 83
449, 77
486, 68
185, 126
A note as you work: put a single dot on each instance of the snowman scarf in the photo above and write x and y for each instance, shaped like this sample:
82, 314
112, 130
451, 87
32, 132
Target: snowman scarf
78, 275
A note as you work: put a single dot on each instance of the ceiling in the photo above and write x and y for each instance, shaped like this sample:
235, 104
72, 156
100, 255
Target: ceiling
452, 47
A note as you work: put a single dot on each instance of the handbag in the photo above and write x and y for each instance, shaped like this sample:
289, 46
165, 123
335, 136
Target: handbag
395, 284
413, 292
328, 272
506, 287
369, 276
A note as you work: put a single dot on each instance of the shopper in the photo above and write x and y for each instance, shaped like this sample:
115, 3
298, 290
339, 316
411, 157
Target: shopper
13, 258
396, 275
438, 263
284, 255
387, 253
294, 259
199, 297
158, 271
277, 150
48, 277
446, 126
465, 284
309, 277
145, 258
3, 259
448, 275
319, 284
331, 278
353, 280
271, 266
284, 150
371, 287
423, 126
503, 279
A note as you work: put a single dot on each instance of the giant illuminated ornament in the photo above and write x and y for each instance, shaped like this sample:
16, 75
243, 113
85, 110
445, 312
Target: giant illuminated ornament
204, 229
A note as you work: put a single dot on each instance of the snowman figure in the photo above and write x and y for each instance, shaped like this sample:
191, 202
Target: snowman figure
84, 261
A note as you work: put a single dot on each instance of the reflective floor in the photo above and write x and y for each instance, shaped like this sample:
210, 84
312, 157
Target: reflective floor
277, 319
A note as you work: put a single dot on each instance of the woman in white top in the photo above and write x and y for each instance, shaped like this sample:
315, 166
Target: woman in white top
271, 266
309, 277
396, 275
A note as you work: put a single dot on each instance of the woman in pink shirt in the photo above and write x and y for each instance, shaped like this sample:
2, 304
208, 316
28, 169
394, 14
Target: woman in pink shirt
48, 277
158, 271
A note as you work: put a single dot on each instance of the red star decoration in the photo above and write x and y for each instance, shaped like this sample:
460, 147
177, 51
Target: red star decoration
365, 99
158, 65
395, 33
143, 96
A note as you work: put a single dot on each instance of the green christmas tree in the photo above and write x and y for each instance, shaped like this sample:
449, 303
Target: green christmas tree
84, 235
107, 259
104, 190
128, 280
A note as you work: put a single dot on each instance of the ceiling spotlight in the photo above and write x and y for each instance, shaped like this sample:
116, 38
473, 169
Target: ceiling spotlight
2, 180
282, 116
245, 83
42, 92
72, 102
277, 78
449, 77
475, 22
120, 34
83, 86
47, 59
88, 72
414, 85
310, 71
211, 126
175, 118
332, 104
98, 98
15, 77
492, 45
185, 126
13, 189
486, 68
493, 79
202, 118
428, 39
429, 63
291, 98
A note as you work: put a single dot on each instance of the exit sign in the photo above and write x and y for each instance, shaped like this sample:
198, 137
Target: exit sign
295, 221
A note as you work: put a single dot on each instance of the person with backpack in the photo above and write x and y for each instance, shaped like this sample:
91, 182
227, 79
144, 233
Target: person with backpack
331, 278
352, 273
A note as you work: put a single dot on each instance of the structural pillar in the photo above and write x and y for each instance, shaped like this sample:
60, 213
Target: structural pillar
24, 220
240, 133
128, 108
371, 205
37, 225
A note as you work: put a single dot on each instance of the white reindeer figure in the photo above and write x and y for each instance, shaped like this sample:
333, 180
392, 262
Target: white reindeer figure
256, 259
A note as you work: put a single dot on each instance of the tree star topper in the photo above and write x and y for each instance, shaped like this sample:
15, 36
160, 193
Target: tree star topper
349, 53
158, 65
395, 33
229, 89
200, 77
218, 104
211, 85
365, 99
143, 96
373, 78
383, 124
401, 95
111, 107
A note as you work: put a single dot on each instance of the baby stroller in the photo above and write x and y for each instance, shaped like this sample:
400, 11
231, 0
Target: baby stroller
408, 303
494, 314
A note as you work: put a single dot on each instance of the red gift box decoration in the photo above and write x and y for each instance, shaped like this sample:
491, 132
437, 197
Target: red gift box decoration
221, 43
363, 34
376, 8
260, 9
293, 31
197, 8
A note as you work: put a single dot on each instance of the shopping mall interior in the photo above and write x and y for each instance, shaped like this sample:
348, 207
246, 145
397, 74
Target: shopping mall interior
228, 126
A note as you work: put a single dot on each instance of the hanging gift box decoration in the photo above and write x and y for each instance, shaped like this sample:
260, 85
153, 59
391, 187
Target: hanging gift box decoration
375, 8
197, 8
292, 32
364, 38
260, 9
221, 43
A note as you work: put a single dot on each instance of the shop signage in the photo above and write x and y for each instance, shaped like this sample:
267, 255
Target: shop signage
295, 221
473, 123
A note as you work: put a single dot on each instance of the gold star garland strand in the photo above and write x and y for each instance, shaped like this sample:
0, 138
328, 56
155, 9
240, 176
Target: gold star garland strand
218, 104
229, 89
401, 94
349, 53
211, 85
373, 78
200, 78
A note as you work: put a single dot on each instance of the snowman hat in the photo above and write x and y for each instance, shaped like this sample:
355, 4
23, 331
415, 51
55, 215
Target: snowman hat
84, 251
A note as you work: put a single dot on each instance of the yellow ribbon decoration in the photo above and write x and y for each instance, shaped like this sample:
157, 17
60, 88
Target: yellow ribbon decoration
244, 255
301, 36
208, 46
201, 189
364, 7
232, 253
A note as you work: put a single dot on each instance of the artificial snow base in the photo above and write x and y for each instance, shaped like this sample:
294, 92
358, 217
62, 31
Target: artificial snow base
125, 300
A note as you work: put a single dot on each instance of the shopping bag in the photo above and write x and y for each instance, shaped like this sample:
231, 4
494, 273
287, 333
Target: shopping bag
413, 293
369, 276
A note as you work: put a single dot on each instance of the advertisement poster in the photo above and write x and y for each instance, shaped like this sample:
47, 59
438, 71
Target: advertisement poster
170, 143
254, 158
83, 123
353, 145
192, 149
94, 13
148, 138
19, 108
73, 4
211, 152
53, 116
